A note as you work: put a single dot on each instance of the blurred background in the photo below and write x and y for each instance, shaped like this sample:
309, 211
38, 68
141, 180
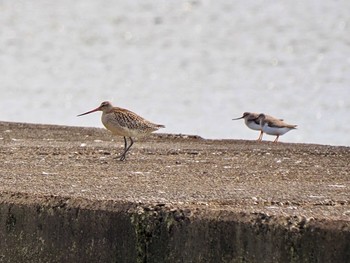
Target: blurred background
190, 65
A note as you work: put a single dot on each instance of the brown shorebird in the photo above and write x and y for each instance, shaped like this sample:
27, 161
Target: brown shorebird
250, 119
122, 122
273, 126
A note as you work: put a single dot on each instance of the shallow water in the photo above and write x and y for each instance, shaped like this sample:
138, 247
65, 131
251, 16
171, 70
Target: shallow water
190, 65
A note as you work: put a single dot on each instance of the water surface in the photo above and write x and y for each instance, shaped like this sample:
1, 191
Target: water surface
190, 65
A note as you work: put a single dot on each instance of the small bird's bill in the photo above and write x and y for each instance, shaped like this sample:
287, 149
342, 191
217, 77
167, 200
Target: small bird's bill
238, 118
89, 112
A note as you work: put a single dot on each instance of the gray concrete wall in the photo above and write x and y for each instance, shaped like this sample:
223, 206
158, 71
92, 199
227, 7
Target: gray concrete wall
64, 230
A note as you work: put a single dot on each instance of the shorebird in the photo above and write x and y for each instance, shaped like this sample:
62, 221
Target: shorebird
273, 126
122, 122
250, 119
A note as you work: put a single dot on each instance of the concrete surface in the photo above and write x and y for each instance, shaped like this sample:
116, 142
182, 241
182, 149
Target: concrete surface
64, 196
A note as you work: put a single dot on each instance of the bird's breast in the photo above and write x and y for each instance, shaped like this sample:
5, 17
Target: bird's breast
111, 123
252, 125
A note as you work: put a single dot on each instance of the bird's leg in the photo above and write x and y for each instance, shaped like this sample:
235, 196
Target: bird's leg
122, 156
276, 140
126, 148
131, 143
260, 136
125, 143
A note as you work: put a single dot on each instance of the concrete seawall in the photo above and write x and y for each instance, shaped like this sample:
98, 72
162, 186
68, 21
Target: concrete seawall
64, 197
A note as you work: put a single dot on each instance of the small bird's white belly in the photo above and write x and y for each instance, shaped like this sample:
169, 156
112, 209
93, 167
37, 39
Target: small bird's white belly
275, 130
252, 125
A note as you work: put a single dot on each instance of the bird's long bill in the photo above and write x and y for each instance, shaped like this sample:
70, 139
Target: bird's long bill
89, 112
238, 118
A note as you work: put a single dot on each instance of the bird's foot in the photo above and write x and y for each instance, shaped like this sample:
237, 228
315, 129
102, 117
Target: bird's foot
122, 157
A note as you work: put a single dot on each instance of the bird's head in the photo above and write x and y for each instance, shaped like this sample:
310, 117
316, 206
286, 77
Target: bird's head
105, 107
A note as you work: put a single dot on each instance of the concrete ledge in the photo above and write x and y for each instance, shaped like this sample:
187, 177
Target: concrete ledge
56, 229
64, 197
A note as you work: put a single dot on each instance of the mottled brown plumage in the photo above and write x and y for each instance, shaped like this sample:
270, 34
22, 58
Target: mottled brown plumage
122, 122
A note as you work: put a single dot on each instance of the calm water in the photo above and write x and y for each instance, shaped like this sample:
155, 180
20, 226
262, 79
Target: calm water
190, 65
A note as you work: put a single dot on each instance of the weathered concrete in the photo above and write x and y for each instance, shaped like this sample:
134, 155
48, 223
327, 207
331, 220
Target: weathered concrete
64, 197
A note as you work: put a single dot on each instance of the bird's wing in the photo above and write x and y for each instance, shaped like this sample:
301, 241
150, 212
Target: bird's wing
131, 120
279, 124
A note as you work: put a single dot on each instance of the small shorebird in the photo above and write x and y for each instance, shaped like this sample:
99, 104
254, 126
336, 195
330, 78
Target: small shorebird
273, 126
250, 119
122, 122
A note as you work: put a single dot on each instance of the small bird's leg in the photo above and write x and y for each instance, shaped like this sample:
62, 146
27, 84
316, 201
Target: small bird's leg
276, 140
260, 136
